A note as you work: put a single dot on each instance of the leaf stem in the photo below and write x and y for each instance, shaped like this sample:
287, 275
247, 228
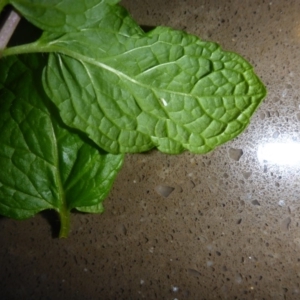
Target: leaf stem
23, 49
64, 215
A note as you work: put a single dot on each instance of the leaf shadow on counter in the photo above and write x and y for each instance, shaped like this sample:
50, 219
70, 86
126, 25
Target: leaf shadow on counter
147, 28
51, 216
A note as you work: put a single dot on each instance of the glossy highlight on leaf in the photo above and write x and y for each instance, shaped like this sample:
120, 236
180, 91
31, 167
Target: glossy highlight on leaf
43, 164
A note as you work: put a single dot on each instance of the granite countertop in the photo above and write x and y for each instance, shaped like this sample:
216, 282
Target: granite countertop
224, 225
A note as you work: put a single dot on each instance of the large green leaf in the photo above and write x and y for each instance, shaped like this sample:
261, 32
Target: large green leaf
164, 89
69, 15
43, 164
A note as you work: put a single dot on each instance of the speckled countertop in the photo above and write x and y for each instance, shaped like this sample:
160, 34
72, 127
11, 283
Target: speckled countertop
218, 226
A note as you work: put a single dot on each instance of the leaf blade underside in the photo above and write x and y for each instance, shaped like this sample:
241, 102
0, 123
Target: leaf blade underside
164, 89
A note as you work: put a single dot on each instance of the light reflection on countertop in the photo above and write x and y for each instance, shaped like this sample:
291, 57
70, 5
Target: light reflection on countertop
279, 153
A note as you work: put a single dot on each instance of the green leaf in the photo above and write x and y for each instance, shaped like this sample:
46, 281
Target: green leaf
70, 15
3, 3
44, 165
164, 89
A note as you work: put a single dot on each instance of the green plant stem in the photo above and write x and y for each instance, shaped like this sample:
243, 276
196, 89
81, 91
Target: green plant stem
27, 48
64, 215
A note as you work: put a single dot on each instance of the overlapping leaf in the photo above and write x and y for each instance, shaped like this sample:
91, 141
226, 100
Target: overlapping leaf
70, 15
163, 89
43, 164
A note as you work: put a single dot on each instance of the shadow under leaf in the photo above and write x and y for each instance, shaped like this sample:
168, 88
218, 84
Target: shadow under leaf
52, 218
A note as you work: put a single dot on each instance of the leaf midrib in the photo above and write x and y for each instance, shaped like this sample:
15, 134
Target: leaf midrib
57, 162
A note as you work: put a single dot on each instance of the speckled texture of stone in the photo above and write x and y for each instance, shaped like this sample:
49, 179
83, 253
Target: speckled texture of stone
219, 226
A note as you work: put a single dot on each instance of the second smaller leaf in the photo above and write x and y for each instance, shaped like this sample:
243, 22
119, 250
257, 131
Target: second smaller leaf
45, 165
